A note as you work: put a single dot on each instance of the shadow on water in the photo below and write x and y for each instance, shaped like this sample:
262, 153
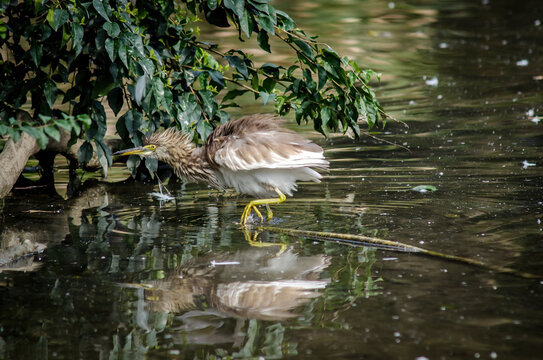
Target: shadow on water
115, 273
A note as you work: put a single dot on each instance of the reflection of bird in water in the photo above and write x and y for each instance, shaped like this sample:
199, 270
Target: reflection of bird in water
257, 283
252, 155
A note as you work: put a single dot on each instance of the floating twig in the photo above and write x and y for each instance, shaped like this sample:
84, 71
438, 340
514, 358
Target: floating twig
361, 240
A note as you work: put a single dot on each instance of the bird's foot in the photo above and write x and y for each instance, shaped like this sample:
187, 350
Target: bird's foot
247, 211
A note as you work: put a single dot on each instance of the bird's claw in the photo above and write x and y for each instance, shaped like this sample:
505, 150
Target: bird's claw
247, 211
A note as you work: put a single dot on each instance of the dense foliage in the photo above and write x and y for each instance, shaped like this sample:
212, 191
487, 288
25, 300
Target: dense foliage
60, 59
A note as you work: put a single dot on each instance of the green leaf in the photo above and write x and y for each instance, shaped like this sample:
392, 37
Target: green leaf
325, 118
120, 126
322, 76
216, 78
266, 97
371, 112
133, 163
63, 123
84, 154
266, 22
212, 4
190, 76
3, 129
50, 92
284, 21
122, 53
269, 84
260, 6
71, 94
209, 103
36, 52
103, 84
424, 188
271, 69
254, 81
273, 14
74, 125
355, 128
15, 134
60, 18
204, 128
232, 94
147, 66
158, 90
133, 121
280, 107
109, 45
77, 38
246, 23
291, 69
98, 116
263, 41
306, 49
104, 155
100, 9
238, 63
152, 165
224, 117
85, 120
167, 100
51, 17
331, 62
52, 131
115, 100
140, 90
38, 134
45, 118
112, 29
237, 6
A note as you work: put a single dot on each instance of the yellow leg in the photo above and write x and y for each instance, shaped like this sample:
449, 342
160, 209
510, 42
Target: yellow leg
252, 239
269, 212
252, 206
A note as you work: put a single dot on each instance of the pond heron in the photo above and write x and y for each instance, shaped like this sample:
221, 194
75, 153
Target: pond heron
253, 155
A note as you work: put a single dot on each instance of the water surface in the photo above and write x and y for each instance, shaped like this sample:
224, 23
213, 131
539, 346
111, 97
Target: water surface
119, 274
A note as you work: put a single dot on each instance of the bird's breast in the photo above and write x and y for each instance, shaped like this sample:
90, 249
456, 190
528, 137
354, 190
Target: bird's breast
262, 182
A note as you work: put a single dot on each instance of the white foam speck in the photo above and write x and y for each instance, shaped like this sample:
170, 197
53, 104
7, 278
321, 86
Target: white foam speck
162, 197
433, 81
526, 164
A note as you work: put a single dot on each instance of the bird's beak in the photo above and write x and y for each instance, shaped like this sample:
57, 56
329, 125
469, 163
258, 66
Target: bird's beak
140, 150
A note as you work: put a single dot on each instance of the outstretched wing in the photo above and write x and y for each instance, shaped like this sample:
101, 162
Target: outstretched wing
258, 142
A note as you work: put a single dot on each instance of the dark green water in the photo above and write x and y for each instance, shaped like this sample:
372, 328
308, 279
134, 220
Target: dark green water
125, 276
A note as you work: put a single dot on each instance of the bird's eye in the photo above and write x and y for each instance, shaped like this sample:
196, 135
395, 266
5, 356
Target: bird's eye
151, 147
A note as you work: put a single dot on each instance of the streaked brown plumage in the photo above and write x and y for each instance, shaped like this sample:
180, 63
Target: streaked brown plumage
252, 155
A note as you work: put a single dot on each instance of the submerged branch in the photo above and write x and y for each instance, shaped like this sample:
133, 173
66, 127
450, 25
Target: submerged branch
361, 240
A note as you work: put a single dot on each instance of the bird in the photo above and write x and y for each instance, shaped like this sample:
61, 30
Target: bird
254, 155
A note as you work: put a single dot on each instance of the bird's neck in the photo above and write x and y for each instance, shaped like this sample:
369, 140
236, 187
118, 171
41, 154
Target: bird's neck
188, 161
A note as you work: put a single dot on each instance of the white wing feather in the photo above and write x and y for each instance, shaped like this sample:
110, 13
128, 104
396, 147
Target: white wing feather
268, 151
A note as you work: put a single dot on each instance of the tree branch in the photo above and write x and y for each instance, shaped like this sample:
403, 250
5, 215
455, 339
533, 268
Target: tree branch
13, 160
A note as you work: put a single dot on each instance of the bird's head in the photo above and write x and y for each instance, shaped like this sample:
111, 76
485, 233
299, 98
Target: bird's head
145, 150
161, 145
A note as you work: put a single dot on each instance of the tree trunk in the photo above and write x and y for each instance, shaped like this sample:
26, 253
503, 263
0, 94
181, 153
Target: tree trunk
15, 155
13, 160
